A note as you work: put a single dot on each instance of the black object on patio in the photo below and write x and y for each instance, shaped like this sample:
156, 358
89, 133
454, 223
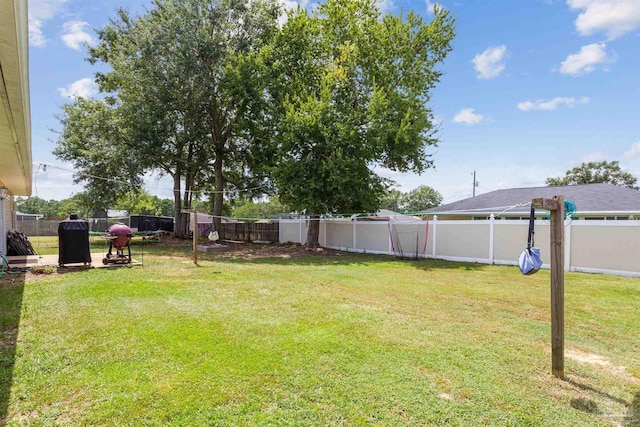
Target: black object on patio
73, 242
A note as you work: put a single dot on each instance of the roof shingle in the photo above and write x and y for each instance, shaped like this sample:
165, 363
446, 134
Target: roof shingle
587, 198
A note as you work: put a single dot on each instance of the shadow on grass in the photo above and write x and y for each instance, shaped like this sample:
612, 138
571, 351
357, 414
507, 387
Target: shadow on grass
341, 259
585, 405
586, 387
11, 291
351, 259
634, 412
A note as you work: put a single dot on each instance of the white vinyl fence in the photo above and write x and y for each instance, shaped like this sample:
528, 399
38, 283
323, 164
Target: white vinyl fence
609, 247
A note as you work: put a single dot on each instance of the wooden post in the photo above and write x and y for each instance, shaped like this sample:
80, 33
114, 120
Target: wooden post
556, 207
194, 215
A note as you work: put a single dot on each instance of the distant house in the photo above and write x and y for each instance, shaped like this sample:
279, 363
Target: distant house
15, 113
20, 216
593, 201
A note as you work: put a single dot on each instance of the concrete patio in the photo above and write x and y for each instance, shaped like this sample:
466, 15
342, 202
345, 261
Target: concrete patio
25, 261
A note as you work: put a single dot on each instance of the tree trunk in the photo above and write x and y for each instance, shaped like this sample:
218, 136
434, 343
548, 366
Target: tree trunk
181, 221
218, 197
313, 232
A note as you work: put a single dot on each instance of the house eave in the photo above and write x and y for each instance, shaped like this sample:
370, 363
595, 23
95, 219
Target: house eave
15, 109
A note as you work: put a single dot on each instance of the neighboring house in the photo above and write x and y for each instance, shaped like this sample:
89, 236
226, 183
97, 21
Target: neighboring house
15, 113
593, 201
20, 216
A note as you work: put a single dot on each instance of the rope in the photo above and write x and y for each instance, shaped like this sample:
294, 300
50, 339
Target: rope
426, 239
158, 188
393, 248
519, 205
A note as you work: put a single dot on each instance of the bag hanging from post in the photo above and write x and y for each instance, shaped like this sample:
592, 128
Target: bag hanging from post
529, 260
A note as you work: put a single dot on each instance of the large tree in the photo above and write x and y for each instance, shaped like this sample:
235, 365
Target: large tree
420, 198
183, 77
94, 138
37, 205
140, 202
351, 90
596, 173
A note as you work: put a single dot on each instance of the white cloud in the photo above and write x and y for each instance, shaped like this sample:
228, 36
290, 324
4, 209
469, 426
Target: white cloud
83, 88
386, 5
552, 104
612, 17
290, 5
39, 12
468, 117
593, 157
585, 61
489, 64
293, 4
75, 35
431, 7
36, 36
634, 151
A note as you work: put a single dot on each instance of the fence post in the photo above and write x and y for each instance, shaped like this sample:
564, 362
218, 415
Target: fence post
492, 223
567, 247
300, 222
324, 232
435, 233
354, 235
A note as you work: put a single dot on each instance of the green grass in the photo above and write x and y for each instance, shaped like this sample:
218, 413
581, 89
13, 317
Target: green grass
314, 340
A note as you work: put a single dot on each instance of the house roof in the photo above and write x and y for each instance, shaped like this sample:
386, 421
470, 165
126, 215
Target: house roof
15, 113
597, 198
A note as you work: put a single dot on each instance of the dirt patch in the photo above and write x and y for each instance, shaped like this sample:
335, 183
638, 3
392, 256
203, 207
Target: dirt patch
601, 361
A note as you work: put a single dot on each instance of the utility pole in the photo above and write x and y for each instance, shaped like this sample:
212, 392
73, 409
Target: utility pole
475, 183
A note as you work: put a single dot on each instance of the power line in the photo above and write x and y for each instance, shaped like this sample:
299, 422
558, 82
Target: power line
45, 165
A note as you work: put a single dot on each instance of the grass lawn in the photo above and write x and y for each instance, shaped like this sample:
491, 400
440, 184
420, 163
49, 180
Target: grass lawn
333, 339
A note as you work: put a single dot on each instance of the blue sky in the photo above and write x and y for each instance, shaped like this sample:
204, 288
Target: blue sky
530, 90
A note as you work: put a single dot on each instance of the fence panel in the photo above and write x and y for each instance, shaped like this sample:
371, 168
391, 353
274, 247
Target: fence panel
40, 227
372, 237
611, 247
250, 231
463, 239
510, 238
340, 234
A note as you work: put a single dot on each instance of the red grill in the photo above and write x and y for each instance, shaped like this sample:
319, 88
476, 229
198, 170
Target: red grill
119, 238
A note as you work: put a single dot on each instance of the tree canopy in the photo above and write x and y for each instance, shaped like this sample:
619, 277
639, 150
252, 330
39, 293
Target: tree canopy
596, 173
134, 202
418, 199
351, 89
217, 95
261, 209
183, 86
94, 139
140, 202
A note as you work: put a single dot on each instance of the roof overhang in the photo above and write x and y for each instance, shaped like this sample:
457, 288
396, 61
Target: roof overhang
15, 110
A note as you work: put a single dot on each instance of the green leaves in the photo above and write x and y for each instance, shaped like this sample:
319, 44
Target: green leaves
596, 173
187, 81
350, 92
95, 139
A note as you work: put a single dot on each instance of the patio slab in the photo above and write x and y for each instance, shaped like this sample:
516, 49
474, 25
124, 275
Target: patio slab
24, 261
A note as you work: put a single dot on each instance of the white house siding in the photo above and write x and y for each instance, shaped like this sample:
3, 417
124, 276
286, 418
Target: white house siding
7, 222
